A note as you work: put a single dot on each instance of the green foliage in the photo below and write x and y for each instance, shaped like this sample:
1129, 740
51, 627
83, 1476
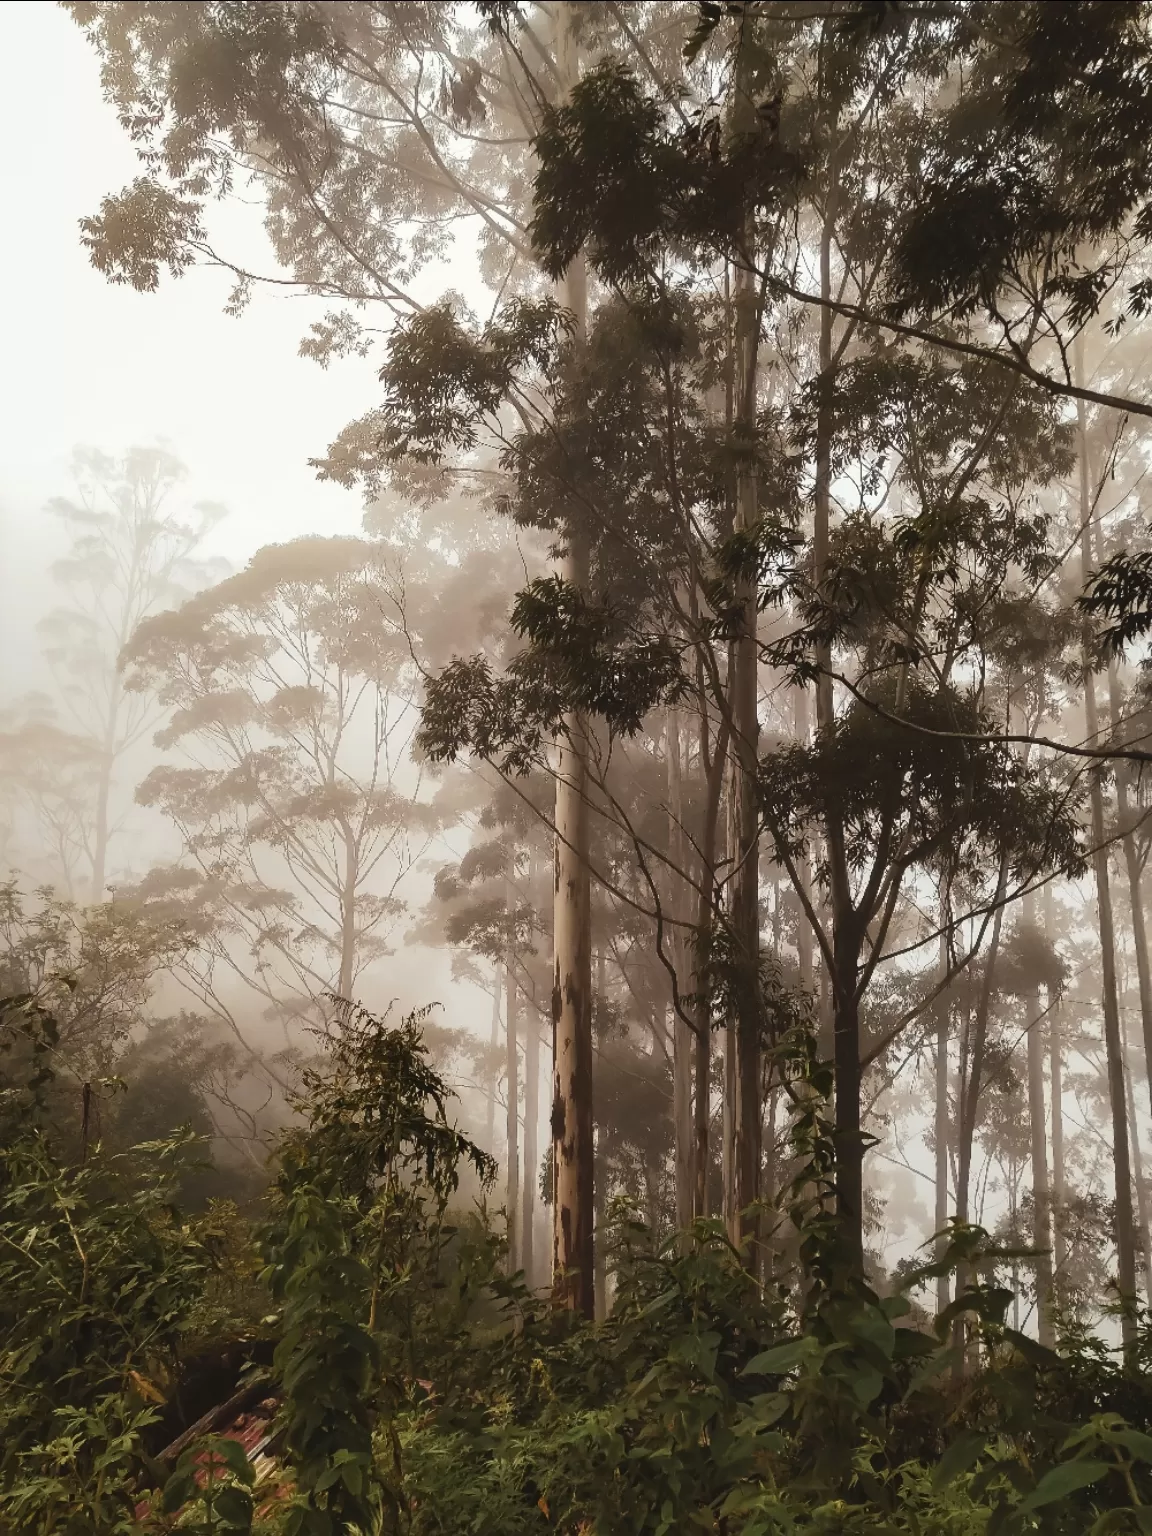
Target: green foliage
97, 1275
355, 1242
424, 1392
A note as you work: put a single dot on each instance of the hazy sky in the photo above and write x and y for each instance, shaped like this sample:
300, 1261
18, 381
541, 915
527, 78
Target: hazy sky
88, 363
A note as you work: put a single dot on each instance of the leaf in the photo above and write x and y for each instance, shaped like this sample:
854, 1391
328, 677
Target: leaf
709, 19
1035, 1353
782, 1358
962, 1454
235, 1458
234, 1507
177, 1491
1135, 1442
1059, 1482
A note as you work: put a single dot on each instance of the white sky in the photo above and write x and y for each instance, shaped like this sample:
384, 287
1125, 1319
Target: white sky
88, 363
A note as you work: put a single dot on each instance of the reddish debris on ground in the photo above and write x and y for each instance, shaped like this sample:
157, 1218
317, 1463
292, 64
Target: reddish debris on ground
251, 1429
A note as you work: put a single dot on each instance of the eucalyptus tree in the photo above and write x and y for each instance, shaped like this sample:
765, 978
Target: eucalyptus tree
291, 691
132, 549
835, 257
371, 130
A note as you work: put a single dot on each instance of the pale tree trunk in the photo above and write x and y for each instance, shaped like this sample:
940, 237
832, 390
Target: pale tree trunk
101, 831
600, 1281
1056, 1076
942, 1124
573, 1152
969, 1104
701, 1003
682, 1038
1041, 1197
348, 916
1121, 1157
1142, 1210
493, 1075
1135, 891
803, 727
512, 1085
531, 1145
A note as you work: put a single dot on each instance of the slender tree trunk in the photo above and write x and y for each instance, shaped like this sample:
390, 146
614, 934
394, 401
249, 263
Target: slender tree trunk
493, 1046
701, 1001
531, 1146
1142, 1208
1056, 1075
100, 833
1125, 1227
1135, 893
348, 916
702, 1043
727, 1131
600, 1282
745, 892
1041, 1196
682, 1035
512, 1083
803, 727
848, 1129
970, 1100
846, 935
942, 1125
573, 1156
770, 1173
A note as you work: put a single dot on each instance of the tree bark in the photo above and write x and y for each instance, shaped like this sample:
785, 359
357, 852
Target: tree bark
681, 1028
348, 914
1135, 893
100, 832
745, 890
846, 936
1121, 1157
1142, 1210
969, 1097
493, 1045
512, 1084
573, 1153
701, 1001
531, 1146
1041, 1196
942, 1124
1056, 1077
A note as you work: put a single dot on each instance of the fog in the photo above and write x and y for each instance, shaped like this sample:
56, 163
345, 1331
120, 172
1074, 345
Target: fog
618, 533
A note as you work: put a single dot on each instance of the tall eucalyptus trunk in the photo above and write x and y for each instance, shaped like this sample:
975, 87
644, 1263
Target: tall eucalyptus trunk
573, 1152
682, 1033
1121, 1156
1038, 1146
744, 906
971, 1081
493, 1047
512, 1086
531, 1145
942, 1126
1056, 1078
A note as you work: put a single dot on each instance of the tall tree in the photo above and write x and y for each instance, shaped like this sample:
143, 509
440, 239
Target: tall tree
292, 689
131, 552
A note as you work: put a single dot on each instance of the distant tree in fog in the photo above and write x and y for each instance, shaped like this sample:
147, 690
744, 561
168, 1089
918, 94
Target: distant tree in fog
130, 553
291, 689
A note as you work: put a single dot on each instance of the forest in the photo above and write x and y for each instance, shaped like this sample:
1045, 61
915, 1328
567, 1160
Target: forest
617, 998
